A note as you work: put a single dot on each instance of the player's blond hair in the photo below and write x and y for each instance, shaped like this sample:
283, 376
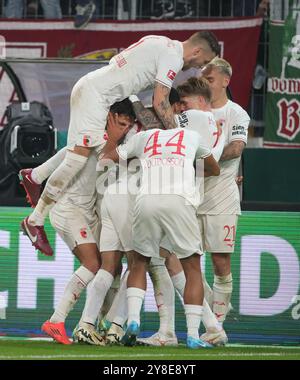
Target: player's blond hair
195, 86
223, 66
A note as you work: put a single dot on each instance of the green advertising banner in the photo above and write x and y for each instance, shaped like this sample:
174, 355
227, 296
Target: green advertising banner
283, 98
265, 268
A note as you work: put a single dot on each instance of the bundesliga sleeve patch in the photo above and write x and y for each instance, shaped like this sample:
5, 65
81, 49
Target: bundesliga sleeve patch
171, 74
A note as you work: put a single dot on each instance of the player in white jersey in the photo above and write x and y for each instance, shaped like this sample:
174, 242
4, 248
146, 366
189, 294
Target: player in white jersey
75, 219
116, 234
195, 100
218, 213
165, 206
153, 60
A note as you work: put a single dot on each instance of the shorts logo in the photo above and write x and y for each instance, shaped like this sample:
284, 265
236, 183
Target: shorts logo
171, 74
83, 232
86, 140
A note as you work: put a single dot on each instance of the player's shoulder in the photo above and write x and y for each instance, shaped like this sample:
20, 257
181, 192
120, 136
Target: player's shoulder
198, 114
237, 110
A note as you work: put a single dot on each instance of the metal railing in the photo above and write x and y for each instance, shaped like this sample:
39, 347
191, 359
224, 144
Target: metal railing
144, 9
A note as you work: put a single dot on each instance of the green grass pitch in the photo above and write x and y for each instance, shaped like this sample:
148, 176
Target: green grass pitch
20, 349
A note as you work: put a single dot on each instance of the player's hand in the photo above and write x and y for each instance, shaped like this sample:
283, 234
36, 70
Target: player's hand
115, 131
239, 180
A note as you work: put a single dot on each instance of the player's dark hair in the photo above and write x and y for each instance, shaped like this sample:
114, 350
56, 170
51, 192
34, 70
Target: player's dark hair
174, 96
123, 108
209, 37
195, 86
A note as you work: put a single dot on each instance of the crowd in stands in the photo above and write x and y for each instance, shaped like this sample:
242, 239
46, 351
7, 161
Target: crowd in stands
84, 11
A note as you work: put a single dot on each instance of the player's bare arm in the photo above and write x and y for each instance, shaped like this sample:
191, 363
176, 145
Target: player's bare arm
233, 150
146, 117
211, 167
162, 105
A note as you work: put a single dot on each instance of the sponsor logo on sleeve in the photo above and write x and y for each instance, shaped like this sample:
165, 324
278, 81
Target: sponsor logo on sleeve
183, 120
238, 130
171, 74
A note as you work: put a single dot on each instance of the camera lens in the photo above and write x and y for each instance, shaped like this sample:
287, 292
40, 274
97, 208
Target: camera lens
34, 145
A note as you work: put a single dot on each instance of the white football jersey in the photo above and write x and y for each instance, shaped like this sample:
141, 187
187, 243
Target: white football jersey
152, 58
204, 123
167, 160
221, 193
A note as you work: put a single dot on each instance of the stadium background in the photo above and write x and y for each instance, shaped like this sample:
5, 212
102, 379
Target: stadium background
265, 265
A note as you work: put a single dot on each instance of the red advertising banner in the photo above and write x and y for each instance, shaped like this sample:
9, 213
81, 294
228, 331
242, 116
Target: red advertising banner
101, 40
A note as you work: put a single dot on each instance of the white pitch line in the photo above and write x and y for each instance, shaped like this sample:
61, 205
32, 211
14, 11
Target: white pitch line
239, 345
108, 356
232, 345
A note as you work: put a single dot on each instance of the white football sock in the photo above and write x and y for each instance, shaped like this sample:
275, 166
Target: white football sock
165, 298
135, 298
78, 282
118, 312
209, 319
42, 172
110, 296
208, 292
222, 290
97, 292
193, 314
179, 282
58, 181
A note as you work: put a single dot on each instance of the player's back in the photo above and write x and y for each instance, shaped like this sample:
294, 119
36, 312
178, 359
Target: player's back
202, 122
167, 158
137, 67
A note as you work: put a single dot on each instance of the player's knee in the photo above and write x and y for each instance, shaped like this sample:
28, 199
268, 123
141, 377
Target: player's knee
91, 265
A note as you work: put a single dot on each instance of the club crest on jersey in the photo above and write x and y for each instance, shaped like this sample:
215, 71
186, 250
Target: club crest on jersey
86, 140
171, 74
83, 232
121, 61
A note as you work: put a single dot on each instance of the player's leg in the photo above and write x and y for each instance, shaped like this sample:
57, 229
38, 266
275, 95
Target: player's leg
118, 313
208, 292
87, 124
136, 289
32, 179
220, 238
86, 250
222, 286
176, 272
97, 293
186, 243
165, 300
110, 257
146, 235
216, 335
103, 324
